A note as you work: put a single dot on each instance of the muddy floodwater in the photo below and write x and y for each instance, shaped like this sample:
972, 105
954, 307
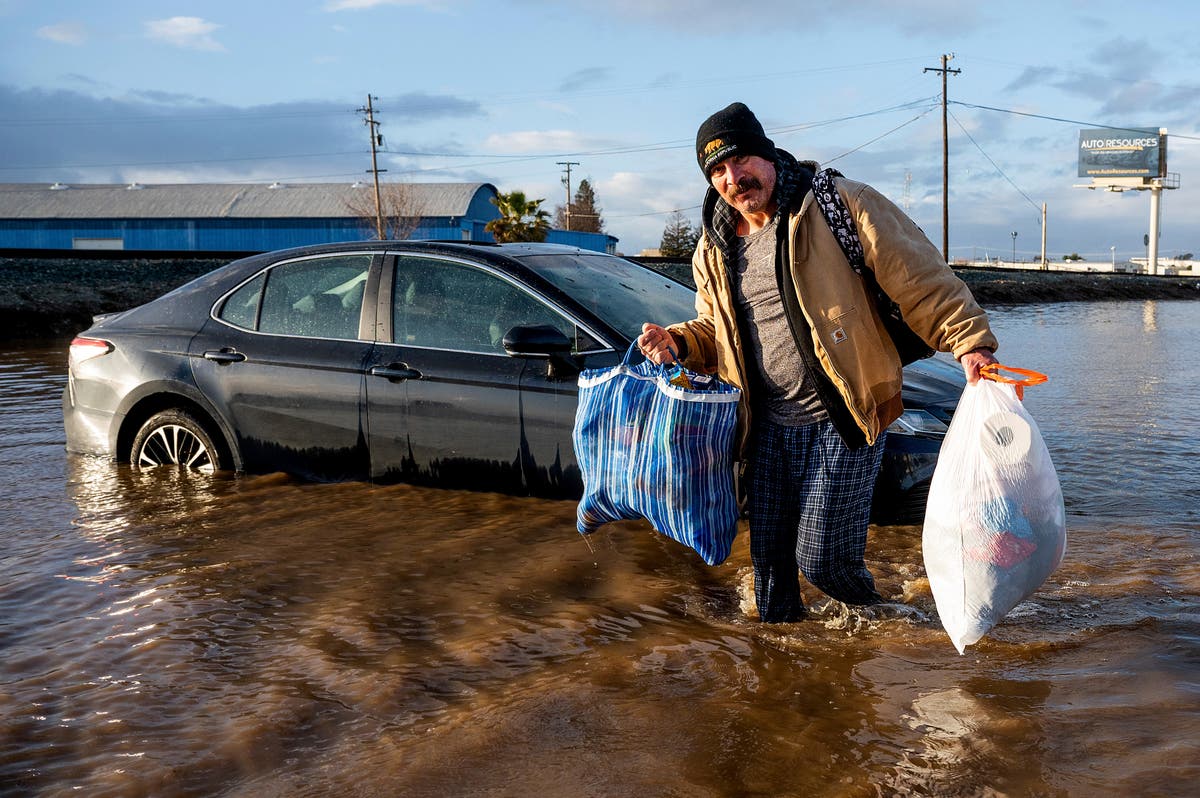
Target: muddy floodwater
261, 636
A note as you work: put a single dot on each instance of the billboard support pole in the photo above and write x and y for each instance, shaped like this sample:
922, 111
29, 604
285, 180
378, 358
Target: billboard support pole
1155, 215
1045, 265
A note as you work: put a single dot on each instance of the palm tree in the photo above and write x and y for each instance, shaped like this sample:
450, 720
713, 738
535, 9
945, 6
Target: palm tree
520, 219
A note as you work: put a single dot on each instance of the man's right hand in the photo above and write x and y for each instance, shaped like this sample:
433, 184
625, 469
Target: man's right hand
654, 342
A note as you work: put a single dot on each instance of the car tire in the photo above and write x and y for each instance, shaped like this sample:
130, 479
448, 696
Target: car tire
175, 438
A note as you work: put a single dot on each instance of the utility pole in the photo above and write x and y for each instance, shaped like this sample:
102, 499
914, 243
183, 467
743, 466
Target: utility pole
945, 157
376, 141
567, 182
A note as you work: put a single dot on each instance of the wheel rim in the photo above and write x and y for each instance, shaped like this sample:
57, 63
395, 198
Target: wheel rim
172, 444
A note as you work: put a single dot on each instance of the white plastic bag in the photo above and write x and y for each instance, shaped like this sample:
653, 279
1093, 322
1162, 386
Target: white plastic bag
995, 525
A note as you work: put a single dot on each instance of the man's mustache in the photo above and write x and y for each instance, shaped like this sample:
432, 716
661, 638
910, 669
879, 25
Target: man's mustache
747, 183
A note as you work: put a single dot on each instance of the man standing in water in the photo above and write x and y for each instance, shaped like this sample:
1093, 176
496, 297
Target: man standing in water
781, 315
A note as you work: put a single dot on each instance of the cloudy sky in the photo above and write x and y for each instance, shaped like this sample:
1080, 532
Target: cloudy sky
503, 91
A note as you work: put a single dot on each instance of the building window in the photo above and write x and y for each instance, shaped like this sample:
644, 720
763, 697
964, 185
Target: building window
97, 243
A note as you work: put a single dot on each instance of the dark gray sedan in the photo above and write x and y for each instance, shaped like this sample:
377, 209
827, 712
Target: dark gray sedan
444, 364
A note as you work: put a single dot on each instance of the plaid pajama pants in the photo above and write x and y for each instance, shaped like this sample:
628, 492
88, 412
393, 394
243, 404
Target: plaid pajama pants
809, 506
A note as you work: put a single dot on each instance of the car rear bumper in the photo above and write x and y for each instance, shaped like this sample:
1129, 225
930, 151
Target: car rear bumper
88, 431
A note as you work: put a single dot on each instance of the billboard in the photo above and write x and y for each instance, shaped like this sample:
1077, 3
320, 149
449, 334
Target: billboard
1122, 152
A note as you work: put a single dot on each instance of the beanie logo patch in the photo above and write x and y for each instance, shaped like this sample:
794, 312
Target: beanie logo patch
713, 146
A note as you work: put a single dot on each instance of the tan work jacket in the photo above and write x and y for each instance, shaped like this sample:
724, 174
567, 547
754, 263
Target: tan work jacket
848, 336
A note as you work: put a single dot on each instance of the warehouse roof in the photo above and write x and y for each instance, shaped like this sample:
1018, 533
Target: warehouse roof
228, 200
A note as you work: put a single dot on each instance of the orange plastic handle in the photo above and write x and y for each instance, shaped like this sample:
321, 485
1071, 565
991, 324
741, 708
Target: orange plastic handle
991, 372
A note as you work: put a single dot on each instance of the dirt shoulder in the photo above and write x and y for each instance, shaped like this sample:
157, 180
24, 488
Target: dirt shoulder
57, 297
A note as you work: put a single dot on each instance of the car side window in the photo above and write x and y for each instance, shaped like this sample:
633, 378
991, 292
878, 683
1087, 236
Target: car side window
447, 305
241, 308
316, 298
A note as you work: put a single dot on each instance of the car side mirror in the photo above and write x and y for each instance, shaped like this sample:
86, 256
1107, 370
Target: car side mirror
540, 340
543, 340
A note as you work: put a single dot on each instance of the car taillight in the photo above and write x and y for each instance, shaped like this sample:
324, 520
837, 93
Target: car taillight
84, 349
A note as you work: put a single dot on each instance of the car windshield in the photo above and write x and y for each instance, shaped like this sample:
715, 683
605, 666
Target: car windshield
618, 291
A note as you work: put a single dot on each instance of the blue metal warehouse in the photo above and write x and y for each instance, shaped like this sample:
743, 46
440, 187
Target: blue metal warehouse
219, 217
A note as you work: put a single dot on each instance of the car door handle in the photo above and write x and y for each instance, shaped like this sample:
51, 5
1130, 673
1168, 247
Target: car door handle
395, 372
224, 356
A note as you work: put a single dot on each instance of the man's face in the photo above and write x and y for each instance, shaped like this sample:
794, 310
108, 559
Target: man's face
746, 182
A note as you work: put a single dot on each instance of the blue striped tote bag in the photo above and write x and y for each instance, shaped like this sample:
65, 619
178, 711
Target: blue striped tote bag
656, 442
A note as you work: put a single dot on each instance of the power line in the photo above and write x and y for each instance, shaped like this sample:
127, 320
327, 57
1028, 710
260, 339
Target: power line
652, 213
488, 158
1060, 119
835, 120
674, 144
880, 136
425, 103
1132, 81
737, 80
171, 118
848, 152
993, 163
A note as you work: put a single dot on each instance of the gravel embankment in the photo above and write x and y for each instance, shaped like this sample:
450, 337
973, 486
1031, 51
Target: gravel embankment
56, 297
44, 298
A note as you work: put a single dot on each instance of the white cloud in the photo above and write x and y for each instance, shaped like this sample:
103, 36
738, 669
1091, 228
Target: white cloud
640, 192
64, 33
919, 17
558, 108
539, 141
637, 205
191, 33
360, 5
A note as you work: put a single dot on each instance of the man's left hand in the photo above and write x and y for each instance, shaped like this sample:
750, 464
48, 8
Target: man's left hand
974, 360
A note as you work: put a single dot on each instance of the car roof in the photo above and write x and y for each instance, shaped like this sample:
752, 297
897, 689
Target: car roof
474, 248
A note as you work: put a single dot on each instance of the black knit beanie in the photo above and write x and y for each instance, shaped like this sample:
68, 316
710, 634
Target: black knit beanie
733, 130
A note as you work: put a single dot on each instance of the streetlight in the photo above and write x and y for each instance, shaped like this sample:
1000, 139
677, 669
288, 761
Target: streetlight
1014, 235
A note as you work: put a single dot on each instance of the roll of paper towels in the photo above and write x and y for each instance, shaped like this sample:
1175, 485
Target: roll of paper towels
1006, 437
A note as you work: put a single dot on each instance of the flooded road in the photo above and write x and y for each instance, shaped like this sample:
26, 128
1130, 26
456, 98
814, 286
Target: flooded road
259, 636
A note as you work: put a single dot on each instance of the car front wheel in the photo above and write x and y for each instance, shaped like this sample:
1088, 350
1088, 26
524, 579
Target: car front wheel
174, 437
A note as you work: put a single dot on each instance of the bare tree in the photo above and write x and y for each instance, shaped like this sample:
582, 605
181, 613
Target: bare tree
401, 208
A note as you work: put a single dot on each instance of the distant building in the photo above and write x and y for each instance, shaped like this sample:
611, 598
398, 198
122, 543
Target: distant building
228, 217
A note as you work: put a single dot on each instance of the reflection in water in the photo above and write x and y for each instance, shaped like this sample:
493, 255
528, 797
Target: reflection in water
975, 742
252, 636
